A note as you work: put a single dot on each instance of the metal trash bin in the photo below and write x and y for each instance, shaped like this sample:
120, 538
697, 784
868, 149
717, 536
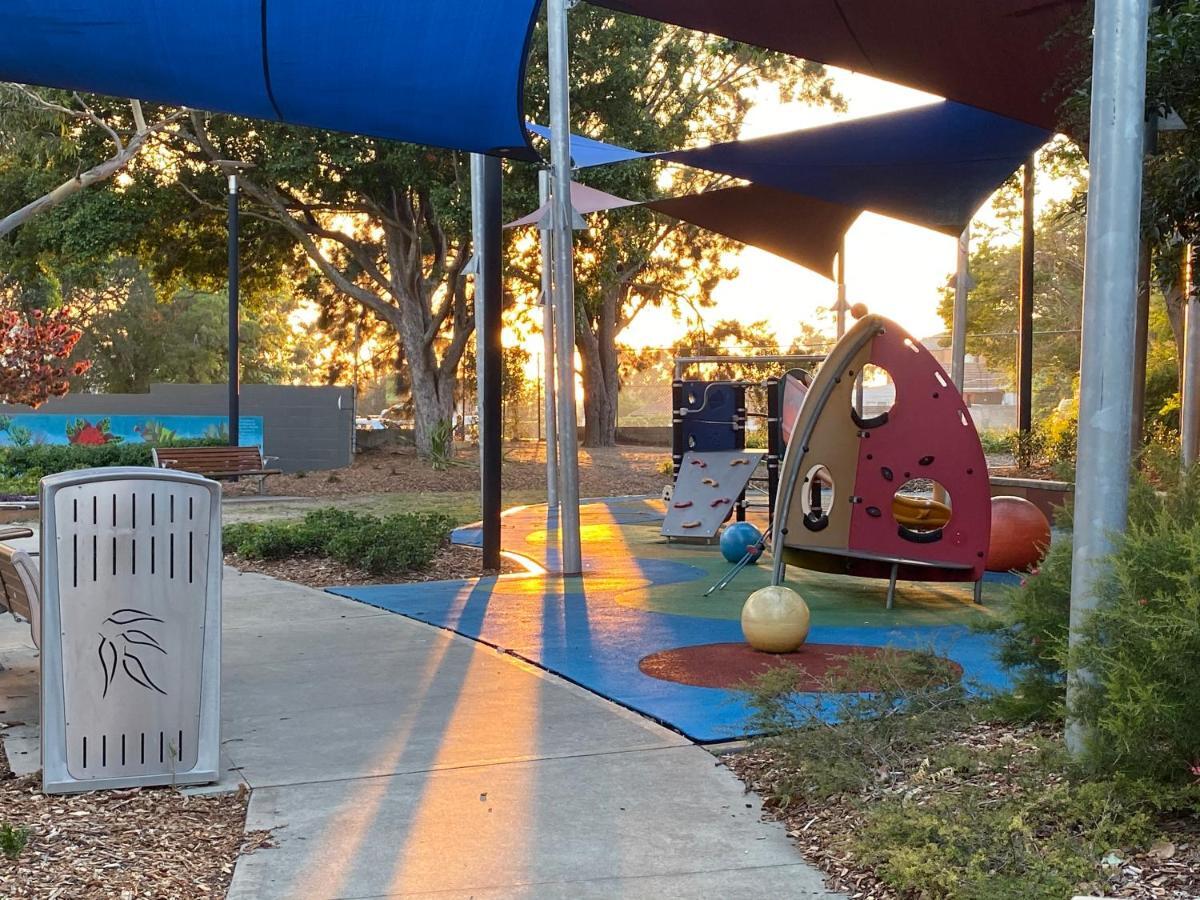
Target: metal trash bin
131, 629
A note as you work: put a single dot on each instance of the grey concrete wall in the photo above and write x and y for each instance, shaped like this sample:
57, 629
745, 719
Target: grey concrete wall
307, 428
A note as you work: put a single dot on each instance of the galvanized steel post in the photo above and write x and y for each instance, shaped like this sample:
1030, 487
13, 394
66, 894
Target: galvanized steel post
546, 233
962, 290
1109, 307
564, 284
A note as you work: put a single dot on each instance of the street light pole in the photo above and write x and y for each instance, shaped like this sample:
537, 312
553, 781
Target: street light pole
1025, 314
1109, 309
564, 285
234, 345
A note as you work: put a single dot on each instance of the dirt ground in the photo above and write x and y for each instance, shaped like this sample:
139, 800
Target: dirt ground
118, 845
604, 472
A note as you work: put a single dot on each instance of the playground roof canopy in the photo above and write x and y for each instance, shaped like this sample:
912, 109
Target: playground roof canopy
1012, 57
446, 74
931, 165
805, 230
802, 229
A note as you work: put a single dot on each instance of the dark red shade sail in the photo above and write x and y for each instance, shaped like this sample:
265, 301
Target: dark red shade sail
805, 230
1017, 58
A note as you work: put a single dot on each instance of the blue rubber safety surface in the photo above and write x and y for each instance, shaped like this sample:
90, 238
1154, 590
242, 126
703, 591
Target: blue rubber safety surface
576, 629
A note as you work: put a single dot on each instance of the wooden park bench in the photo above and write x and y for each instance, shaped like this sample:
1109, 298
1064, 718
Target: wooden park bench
19, 582
219, 463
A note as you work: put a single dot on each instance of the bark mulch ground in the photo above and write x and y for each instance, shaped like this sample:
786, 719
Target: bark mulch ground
603, 472
120, 844
822, 830
452, 562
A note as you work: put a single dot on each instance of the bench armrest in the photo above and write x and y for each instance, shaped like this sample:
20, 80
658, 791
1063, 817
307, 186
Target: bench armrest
15, 533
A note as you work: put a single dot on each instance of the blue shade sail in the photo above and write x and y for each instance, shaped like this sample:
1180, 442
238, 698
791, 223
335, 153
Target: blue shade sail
586, 152
447, 73
932, 166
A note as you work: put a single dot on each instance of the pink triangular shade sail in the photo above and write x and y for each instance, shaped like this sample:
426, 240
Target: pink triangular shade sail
583, 198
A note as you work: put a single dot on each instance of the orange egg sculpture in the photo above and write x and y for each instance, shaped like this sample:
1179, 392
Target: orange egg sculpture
1020, 535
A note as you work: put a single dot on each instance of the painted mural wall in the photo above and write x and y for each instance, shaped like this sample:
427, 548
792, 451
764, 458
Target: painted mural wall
29, 429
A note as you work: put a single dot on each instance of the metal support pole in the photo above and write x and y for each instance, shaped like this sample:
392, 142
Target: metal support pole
477, 162
564, 284
1141, 345
492, 353
841, 290
1109, 308
1189, 415
1025, 315
235, 411
962, 290
547, 236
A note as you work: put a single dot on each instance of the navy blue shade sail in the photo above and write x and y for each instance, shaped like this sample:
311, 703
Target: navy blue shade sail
448, 73
932, 165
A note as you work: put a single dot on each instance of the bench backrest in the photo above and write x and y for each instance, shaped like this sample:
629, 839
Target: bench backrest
209, 459
19, 588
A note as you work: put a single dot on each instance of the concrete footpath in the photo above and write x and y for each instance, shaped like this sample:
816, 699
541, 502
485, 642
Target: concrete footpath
392, 759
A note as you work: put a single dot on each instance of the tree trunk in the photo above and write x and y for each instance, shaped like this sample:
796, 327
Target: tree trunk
433, 408
601, 379
432, 388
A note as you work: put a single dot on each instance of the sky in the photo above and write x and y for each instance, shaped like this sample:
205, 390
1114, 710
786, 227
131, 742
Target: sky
896, 269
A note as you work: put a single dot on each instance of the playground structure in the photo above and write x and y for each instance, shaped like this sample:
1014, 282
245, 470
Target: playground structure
902, 493
847, 501
713, 416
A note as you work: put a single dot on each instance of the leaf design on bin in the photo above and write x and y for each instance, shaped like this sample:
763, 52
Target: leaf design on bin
128, 646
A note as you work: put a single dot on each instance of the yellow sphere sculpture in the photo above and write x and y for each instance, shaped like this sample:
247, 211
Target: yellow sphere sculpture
775, 620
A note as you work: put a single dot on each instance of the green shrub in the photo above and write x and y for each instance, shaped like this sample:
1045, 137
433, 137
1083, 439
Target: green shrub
917, 696
396, 544
1143, 642
390, 546
49, 459
1017, 830
24, 485
1141, 647
13, 840
936, 812
997, 441
1033, 636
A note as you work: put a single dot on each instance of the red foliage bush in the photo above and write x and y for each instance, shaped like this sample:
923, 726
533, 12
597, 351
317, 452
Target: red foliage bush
35, 355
